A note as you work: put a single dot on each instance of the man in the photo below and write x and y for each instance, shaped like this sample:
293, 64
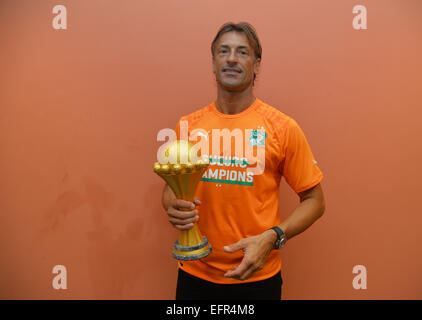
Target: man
241, 217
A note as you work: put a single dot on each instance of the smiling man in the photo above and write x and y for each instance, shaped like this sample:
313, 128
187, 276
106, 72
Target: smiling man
241, 217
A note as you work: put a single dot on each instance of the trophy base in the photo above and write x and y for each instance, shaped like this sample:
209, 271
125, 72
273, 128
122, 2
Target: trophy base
190, 253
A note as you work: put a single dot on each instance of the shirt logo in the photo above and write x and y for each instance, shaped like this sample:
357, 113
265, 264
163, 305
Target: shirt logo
257, 138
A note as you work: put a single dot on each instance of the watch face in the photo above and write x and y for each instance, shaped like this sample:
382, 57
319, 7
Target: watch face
277, 244
282, 242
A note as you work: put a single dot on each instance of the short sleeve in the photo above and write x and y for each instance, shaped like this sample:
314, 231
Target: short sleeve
299, 167
177, 130
182, 129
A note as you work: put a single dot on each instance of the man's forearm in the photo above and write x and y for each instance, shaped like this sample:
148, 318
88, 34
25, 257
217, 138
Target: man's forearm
302, 217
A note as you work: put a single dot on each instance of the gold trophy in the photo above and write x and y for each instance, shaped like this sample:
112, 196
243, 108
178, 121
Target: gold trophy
182, 174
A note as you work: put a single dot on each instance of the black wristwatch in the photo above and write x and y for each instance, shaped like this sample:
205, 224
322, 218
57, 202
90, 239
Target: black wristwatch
281, 238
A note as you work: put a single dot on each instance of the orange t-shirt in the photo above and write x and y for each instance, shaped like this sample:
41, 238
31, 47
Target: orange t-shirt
237, 202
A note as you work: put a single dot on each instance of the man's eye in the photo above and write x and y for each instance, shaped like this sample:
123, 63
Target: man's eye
223, 51
243, 52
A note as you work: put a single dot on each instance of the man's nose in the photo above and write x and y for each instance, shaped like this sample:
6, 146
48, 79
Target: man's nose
232, 57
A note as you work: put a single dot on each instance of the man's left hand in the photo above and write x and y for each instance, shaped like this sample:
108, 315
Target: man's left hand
256, 250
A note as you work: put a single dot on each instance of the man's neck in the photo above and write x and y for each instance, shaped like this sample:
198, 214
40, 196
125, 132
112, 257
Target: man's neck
234, 102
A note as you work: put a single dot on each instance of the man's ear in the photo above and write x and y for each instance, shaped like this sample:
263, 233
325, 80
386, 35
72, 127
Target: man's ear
257, 65
213, 65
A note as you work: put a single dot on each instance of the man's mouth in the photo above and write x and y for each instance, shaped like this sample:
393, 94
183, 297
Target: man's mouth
231, 71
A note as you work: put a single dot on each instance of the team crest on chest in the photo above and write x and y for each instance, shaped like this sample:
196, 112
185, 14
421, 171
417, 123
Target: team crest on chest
258, 137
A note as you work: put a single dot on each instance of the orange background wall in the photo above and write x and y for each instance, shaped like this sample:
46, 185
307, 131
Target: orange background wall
81, 109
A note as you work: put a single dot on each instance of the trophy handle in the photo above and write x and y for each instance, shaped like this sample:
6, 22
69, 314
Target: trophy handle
192, 236
192, 245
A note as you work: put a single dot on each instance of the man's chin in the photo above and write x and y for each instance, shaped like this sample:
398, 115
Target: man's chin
232, 86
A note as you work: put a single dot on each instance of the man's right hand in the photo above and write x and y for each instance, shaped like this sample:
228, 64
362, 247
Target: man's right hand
183, 220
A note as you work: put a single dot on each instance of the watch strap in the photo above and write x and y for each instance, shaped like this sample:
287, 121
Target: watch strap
280, 236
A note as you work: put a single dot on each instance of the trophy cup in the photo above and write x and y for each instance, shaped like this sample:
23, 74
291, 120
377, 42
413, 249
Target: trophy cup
182, 176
